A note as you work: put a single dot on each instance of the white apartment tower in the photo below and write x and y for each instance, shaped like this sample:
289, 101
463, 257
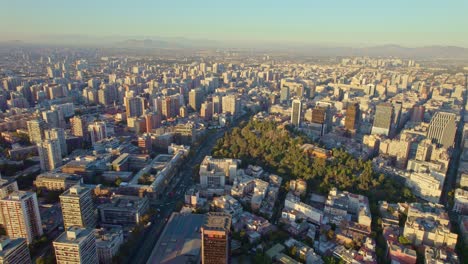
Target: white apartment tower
50, 154
20, 212
76, 246
78, 207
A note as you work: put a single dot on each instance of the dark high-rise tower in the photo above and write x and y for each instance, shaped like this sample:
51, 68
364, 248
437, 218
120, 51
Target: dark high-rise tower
216, 238
352, 116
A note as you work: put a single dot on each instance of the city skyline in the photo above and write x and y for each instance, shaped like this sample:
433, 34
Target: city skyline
415, 24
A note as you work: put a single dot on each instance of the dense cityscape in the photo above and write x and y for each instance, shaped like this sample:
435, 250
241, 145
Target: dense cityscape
232, 132
230, 157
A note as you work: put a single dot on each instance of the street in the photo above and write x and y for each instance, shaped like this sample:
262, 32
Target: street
183, 181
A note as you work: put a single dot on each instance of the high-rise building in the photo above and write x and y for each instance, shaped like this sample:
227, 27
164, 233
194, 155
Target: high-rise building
134, 106
296, 112
383, 119
195, 99
50, 154
97, 131
417, 113
206, 111
76, 246
78, 207
320, 119
217, 104
352, 116
36, 128
284, 94
216, 236
443, 128
78, 126
58, 134
230, 104
53, 118
20, 212
14, 251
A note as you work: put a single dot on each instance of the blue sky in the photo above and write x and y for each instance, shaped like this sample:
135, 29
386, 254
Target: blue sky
341, 22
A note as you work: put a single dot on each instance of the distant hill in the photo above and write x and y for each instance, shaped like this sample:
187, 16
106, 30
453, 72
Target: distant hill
178, 43
400, 51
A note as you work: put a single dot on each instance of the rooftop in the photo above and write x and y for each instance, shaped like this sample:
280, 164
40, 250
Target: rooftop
180, 241
217, 221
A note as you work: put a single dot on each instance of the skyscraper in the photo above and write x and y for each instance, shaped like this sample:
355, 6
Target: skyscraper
58, 134
383, 119
78, 207
443, 128
352, 116
284, 95
296, 112
134, 106
36, 129
20, 212
217, 104
320, 119
14, 251
195, 99
216, 237
54, 118
76, 245
78, 126
206, 111
50, 154
97, 131
230, 104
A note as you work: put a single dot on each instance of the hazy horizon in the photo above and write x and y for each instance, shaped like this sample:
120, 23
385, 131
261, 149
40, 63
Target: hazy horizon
337, 23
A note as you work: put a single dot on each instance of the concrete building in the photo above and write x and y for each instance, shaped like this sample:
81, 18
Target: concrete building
300, 210
195, 99
58, 134
14, 251
108, 242
56, 181
7, 186
428, 224
296, 112
78, 126
50, 154
353, 115
443, 128
340, 204
461, 201
383, 119
180, 241
36, 128
427, 186
231, 105
216, 239
78, 207
134, 106
123, 210
76, 246
97, 131
20, 212
215, 172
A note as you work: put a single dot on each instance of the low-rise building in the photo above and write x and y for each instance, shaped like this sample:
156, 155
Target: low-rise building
306, 211
428, 224
460, 204
56, 181
123, 210
108, 242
